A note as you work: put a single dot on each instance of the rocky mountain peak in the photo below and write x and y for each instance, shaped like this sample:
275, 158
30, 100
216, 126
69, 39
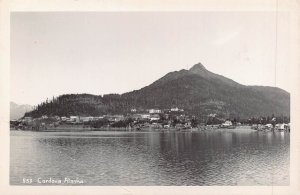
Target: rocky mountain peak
197, 68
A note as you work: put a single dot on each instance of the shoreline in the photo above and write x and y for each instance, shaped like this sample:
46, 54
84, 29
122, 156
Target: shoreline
146, 129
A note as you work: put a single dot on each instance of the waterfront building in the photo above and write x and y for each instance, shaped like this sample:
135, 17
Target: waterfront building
154, 111
269, 126
227, 124
114, 118
282, 126
154, 117
86, 118
75, 119
63, 118
98, 117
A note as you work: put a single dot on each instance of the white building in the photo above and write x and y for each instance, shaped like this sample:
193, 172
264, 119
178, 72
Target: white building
75, 119
227, 124
154, 111
154, 117
133, 110
176, 110
63, 118
269, 126
145, 116
86, 118
212, 115
119, 117
281, 126
98, 117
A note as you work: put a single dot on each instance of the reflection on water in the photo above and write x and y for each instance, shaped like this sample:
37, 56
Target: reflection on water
219, 157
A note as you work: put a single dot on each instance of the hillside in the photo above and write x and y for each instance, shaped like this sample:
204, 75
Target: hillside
197, 90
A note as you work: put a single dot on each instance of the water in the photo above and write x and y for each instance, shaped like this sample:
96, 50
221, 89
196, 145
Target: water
217, 157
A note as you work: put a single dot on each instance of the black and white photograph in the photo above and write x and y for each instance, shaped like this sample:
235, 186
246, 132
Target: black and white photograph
150, 98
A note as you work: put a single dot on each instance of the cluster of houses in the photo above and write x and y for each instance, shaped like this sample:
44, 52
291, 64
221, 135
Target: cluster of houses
155, 118
272, 127
158, 111
151, 115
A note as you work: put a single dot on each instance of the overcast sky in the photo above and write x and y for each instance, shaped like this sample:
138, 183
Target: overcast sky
116, 52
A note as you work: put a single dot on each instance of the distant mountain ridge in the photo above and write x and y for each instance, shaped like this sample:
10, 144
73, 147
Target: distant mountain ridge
18, 111
197, 90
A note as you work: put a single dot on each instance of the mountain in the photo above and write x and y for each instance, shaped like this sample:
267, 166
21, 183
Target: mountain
197, 90
18, 111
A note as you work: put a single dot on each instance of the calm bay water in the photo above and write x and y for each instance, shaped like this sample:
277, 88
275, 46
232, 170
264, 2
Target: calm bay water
217, 157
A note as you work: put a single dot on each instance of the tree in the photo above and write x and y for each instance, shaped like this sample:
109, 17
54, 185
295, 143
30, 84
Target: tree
194, 122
